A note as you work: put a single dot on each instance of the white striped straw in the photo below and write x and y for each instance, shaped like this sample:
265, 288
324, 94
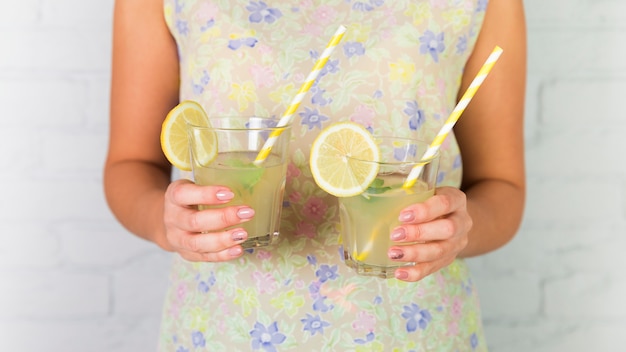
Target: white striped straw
454, 116
295, 103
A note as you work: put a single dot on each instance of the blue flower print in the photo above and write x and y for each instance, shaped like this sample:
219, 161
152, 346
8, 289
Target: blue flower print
317, 97
332, 66
461, 46
179, 6
457, 162
432, 44
416, 317
205, 285
415, 114
320, 306
378, 300
181, 349
440, 177
353, 48
468, 287
312, 118
368, 338
182, 27
198, 339
314, 289
474, 341
325, 273
311, 259
235, 44
255, 124
367, 6
208, 25
198, 88
402, 153
482, 5
314, 324
266, 337
260, 12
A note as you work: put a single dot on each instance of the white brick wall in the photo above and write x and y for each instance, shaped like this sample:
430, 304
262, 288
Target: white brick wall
73, 280
559, 286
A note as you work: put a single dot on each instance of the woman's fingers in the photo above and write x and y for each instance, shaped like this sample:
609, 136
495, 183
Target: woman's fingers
221, 256
439, 229
182, 198
200, 235
431, 235
426, 252
211, 242
446, 200
186, 193
208, 220
421, 270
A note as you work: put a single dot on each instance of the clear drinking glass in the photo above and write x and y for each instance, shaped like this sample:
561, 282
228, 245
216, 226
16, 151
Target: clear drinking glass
239, 140
368, 219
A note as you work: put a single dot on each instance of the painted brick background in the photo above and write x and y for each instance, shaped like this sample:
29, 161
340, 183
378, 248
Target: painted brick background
71, 279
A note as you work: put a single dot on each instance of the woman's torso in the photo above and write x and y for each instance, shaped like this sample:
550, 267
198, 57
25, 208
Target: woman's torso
396, 72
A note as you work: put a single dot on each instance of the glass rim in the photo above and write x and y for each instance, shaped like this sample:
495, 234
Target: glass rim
417, 141
241, 118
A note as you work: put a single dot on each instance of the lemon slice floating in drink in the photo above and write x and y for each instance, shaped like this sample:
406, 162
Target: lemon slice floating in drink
335, 159
174, 138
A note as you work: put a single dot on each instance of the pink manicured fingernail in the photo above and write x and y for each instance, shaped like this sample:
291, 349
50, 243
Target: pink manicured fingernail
235, 251
245, 213
395, 254
239, 236
401, 275
398, 234
224, 195
406, 216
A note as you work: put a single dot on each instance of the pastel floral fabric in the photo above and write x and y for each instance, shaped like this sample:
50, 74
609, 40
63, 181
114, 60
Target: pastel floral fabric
397, 71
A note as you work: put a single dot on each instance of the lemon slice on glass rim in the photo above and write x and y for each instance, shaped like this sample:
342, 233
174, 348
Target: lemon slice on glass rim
175, 138
336, 159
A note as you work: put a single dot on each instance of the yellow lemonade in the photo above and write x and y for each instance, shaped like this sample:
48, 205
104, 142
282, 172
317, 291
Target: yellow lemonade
369, 218
259, 187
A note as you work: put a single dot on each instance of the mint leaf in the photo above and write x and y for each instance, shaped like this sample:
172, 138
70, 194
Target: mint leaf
249, 174
377, 183
376, 187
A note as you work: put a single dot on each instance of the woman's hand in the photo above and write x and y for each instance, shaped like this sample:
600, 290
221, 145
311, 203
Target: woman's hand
440, 225
199, 235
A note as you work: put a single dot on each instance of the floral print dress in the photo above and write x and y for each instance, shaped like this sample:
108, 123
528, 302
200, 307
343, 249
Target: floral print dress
397, 71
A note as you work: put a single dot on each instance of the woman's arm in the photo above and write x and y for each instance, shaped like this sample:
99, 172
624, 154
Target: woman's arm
490, 132
486, 213
144, 88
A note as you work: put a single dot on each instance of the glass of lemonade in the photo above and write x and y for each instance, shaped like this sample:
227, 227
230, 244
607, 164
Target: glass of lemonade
368, 219
257, 185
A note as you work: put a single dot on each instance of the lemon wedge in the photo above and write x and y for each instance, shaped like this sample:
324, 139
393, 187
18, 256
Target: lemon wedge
337, 159
175, 138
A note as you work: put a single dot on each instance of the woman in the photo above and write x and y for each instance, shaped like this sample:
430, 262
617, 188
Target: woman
400, 69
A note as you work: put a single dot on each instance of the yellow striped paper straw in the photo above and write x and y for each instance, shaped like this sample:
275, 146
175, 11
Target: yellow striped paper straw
295, 103
454, 116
